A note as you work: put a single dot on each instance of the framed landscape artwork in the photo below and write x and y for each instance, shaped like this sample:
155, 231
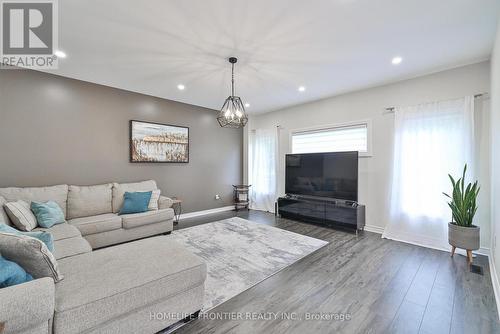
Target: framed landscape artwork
155, 142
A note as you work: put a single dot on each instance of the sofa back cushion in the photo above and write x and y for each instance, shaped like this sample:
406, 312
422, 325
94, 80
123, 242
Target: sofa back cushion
85, 201
119, 190
47, 214
58, 194
20, 215
4, 218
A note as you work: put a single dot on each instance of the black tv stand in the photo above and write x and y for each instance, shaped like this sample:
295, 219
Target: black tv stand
330, 212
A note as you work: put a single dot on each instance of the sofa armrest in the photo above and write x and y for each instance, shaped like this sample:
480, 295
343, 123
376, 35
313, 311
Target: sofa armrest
27, 305
164, 202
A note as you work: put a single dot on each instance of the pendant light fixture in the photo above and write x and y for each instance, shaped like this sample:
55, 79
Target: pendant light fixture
232, 113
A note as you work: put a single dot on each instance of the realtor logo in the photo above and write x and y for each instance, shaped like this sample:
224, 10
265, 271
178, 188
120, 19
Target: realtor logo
29, 33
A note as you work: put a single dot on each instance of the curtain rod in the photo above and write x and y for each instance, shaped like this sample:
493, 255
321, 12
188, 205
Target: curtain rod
279, 127
390, 110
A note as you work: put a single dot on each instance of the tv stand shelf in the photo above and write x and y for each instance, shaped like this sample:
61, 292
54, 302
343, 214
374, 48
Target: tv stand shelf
323, 211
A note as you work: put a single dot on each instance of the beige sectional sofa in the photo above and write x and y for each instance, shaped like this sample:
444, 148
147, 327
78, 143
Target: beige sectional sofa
93, 210
116, 289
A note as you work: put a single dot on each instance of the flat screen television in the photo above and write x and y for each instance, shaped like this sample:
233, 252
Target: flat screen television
332, 175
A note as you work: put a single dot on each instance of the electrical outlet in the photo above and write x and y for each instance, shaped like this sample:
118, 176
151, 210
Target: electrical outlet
217, 197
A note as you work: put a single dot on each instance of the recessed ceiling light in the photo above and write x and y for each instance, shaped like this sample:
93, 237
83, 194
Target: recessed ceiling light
60, 54
247, 105
397, 60
302, 89
181, 87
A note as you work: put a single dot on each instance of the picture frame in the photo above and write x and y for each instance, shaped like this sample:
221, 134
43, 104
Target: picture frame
152, 142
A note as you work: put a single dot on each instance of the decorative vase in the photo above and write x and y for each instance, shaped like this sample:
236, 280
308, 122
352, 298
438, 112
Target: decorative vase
464, 237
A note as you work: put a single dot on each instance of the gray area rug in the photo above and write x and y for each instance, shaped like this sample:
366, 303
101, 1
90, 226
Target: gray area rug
240, 253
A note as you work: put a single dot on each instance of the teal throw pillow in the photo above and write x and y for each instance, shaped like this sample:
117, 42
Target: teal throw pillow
11, 274
43, 236
135, 202
47, 214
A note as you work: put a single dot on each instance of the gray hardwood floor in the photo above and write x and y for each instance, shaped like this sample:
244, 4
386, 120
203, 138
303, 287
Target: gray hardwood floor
384, 286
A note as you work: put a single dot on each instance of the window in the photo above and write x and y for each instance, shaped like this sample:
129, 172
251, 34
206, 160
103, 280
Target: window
262, 154
430, 141
352, 137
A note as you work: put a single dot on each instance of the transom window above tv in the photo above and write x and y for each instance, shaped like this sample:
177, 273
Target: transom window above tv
338, 138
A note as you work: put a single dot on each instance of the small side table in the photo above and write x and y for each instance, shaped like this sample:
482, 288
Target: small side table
177, 206
241, 197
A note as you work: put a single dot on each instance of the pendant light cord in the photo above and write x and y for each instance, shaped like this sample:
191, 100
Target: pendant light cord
232, 79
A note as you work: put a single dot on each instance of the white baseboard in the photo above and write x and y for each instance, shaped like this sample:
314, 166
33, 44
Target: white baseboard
495, 283
377, 229
206, 212
483, 251
374, 229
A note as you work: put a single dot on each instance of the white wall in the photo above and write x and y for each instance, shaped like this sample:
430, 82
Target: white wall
375, 171
495, 156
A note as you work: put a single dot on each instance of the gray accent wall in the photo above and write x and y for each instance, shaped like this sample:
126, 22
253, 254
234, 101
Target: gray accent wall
57, 130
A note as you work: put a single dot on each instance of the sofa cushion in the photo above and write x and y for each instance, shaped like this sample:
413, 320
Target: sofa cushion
70, 247
97, 224
20, 215
61, 231
58, 194
135, 202
31, 254
119, 190
149, 217
84, 201
45, 237
4, 218
12, 274
111, 282
155, 197
47, 214
122, 235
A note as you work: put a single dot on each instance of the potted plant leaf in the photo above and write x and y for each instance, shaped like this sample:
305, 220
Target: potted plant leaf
462, 233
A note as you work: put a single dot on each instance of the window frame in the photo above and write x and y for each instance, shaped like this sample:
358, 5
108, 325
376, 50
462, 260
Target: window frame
364, 122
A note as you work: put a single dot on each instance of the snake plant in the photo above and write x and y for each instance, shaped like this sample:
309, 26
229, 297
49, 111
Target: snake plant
463, 200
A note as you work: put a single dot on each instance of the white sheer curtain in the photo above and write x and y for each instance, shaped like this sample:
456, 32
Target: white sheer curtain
262, 169
432, 140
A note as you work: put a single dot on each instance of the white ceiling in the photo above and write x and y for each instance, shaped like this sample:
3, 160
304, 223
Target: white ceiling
329, 46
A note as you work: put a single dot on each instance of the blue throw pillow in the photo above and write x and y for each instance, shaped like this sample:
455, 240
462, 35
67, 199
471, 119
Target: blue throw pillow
11, 274
47, 214
43, 236
135, 202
